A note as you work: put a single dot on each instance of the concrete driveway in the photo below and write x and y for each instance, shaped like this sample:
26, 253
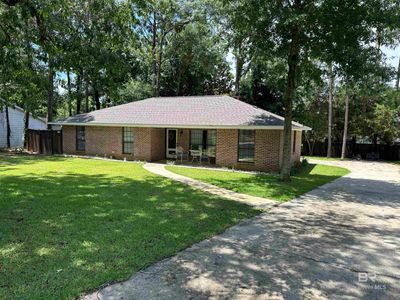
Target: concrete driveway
340, 241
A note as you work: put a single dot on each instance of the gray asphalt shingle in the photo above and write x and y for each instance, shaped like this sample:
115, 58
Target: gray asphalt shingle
180, 111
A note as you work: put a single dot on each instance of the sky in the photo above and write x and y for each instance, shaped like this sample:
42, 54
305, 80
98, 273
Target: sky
393, 55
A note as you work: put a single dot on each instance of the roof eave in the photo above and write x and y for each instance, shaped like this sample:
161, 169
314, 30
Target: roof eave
271, 127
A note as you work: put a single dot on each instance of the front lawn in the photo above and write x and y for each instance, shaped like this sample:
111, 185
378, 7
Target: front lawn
324, 158
266, 186
69, 225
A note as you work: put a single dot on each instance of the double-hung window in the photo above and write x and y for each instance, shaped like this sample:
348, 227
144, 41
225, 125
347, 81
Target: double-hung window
80, 138
196, 139
127, 140
205, 140
246, 145
211, 142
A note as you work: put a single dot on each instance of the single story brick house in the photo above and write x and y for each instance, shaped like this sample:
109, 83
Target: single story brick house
232, 133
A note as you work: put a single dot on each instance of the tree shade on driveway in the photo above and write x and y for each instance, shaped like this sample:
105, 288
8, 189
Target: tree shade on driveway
313, 247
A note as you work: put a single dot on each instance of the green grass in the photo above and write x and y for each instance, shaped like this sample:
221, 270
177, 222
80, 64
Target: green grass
266, 186
70, 225
323, 158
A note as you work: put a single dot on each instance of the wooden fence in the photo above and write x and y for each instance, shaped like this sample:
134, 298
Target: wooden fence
45, 141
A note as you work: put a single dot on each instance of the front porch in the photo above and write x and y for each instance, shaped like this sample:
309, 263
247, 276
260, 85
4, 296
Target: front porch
191, 146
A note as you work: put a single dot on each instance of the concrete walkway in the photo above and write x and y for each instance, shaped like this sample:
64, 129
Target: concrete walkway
258, 202
340, 241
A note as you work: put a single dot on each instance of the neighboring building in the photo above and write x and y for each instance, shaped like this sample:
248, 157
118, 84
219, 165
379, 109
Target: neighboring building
231, 132
17, 126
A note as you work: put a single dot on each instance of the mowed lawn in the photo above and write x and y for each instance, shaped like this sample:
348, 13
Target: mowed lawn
69, 225
267, 186
324, 158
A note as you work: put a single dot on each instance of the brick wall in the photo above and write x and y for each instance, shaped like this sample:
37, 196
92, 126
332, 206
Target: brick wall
142, 143
296, 154
149, 143
226, 155
69, 136
267, 152
157, 144
184, 138
104, 141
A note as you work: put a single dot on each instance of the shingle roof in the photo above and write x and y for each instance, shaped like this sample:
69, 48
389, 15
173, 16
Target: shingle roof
202, 111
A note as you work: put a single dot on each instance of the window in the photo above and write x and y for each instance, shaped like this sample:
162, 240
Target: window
246, 145
196, 139
204, 139
211, 142
80, 138
127, 140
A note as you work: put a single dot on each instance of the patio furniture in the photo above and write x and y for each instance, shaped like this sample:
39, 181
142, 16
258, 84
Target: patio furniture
182, 154
196, 154
208, 153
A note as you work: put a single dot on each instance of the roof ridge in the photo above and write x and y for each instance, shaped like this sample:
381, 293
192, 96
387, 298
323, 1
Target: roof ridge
189, 96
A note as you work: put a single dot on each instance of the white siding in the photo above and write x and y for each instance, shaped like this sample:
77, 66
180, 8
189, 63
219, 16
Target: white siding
17, 117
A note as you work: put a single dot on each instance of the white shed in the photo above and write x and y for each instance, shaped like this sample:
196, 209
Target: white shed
17, 123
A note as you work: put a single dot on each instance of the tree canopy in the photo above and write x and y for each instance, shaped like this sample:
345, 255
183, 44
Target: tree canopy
60, 58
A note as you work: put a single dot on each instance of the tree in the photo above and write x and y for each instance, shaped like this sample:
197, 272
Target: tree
22, 76
195, 62
312, 111
330, 100
156, 21
346, 122
398, 75
386, 123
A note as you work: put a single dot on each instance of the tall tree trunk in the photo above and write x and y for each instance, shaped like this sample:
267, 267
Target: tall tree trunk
398, 75
78, 93
153, 53
178, 83
26, 129
330, 100
158, 78
238, 73
312, 147
97, 98
159, 63
86, 96
346, 122
310, 152
50, 93
69, 93
8, 127
288, 97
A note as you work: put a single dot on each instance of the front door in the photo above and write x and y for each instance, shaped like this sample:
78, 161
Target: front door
172, 142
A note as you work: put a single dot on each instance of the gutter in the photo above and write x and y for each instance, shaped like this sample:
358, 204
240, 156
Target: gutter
173, 126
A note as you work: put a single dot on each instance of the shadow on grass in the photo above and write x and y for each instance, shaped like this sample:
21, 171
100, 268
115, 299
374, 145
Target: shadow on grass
304, 249
62, 234
267, 186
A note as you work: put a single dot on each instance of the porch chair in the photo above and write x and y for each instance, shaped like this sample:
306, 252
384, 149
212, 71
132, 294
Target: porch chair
182, 154
196, 154
208, 153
